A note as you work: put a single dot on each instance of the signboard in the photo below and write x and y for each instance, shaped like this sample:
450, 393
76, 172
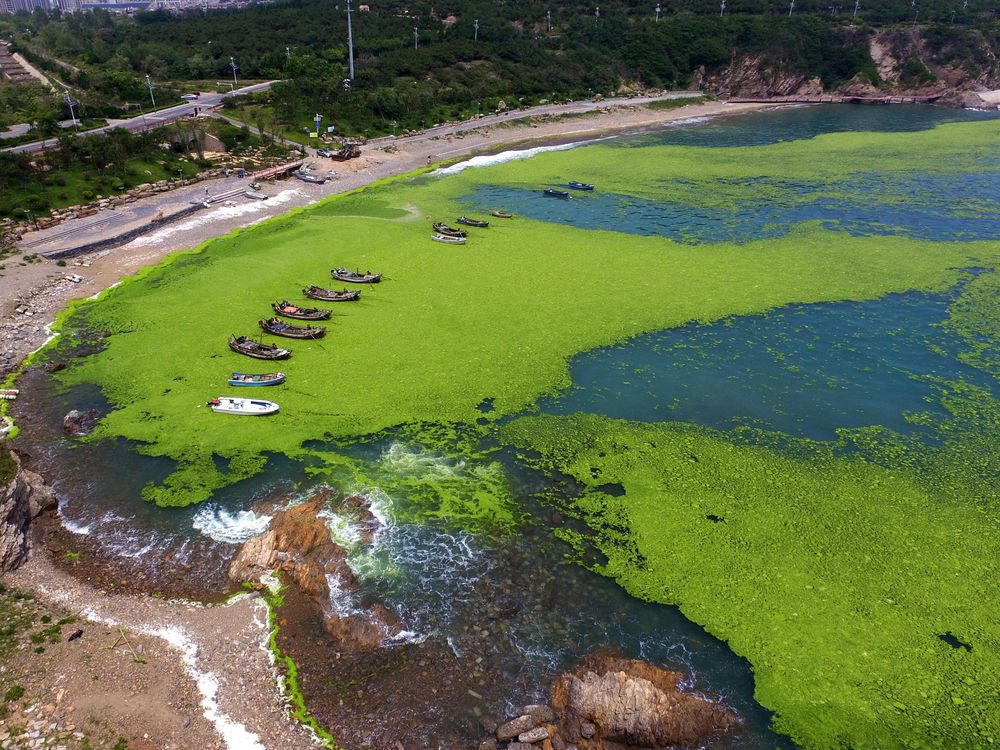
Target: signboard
314, 134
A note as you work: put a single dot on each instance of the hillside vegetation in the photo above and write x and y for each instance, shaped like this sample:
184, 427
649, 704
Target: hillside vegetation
521, 55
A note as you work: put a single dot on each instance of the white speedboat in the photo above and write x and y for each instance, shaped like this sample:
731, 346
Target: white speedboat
250, 406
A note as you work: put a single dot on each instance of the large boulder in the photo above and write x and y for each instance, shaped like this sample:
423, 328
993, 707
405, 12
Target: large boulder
298, 544
614, 703
77, 423
23, 496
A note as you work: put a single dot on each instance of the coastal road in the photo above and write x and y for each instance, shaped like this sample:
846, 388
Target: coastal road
542, 110
154, 119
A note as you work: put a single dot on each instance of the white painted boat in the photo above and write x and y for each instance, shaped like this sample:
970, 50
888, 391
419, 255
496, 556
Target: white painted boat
438, 237
247, 406
8, 394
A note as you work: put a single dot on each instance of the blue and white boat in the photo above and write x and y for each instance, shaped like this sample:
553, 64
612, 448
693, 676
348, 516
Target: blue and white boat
580, 185
270, 378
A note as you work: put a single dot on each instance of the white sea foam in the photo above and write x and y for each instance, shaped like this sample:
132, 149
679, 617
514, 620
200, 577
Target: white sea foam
404, 459
74, 527
232, 528
503, 156
205, 217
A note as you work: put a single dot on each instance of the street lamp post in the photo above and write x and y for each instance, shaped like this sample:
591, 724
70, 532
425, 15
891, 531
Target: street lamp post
72, 112
657, 13
475, 25
234, 66
416, 37
149, 84
350, 42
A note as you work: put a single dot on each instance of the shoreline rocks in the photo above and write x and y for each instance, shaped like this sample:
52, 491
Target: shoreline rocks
298, 544
23, 496
614, 703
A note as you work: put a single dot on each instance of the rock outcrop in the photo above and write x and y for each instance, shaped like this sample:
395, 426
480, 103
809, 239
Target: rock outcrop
78, 423
298, 544
613, 703
23, 495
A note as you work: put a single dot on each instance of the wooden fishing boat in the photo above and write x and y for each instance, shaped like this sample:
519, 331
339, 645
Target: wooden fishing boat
245, 406
472, 222
331, 295
580, 185
355, 277
249, 347
269, 378
441, 228
503, 214
447, 239
288, 310
556, 193
281, 328
306, 176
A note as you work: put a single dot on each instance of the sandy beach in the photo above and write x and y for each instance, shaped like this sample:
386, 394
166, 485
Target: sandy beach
208, 681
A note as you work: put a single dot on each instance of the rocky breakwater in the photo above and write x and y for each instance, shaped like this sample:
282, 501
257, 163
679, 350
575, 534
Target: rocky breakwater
298, 546
23, 496
613, 703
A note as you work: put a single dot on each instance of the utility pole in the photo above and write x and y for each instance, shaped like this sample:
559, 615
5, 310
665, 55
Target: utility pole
72, 112
476, 25
149, 84
548, 20
916, 10
722, 8
350, 42
657, 13
288, 53
234, 66
791, 7
416, 37
857, 7
597, 14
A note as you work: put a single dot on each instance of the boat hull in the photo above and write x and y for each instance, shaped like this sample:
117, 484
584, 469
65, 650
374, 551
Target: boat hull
249, 348
277, 328
276, 378
245, 407
446, 239
286, 311
328, 295
344, 275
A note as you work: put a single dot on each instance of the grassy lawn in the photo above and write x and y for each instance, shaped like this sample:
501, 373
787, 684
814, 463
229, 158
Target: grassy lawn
81, 183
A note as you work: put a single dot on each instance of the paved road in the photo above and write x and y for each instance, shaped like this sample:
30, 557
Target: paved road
154, 119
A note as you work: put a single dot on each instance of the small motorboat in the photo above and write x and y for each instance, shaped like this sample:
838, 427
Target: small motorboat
249, 347
270, 378
503, 214
246, 406
556, 193
580, 185
331, 295
355, 277
472, 222
447, 239
306, 176
288, 310
450, 231
281, 328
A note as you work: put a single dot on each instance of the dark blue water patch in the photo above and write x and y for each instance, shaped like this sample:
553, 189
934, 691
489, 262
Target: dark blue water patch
956, 206
804, 370
797, 123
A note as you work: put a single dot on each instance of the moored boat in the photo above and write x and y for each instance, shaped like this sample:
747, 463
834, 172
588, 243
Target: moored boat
555, 193
8, 394
472, 222
355, 277
580, 185
331, 295
448, 240
288, 310
503, 214
246, 406
442, 228
249, 347
306, 176
280, 328
268, 378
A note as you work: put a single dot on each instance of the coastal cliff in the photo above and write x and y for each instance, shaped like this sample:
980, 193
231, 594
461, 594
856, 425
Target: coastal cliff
23, 496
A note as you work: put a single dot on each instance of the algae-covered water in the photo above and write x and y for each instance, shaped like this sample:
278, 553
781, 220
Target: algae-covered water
736, 412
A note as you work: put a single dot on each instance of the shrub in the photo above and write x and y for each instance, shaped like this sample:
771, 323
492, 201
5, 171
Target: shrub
15, 692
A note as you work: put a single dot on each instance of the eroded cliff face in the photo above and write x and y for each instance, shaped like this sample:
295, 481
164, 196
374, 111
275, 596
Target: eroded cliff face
905, 61
23, 495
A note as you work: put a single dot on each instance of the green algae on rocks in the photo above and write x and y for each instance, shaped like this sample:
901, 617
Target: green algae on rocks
834, 577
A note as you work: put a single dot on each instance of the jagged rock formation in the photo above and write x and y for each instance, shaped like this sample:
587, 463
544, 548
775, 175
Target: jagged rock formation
23, 495
78, 423
613, 703
298, 544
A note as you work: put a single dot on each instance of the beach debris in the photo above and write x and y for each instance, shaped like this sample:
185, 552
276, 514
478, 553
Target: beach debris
76, 634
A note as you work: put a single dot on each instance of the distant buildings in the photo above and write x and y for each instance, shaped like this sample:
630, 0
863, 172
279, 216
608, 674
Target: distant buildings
119, 6
17, 6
